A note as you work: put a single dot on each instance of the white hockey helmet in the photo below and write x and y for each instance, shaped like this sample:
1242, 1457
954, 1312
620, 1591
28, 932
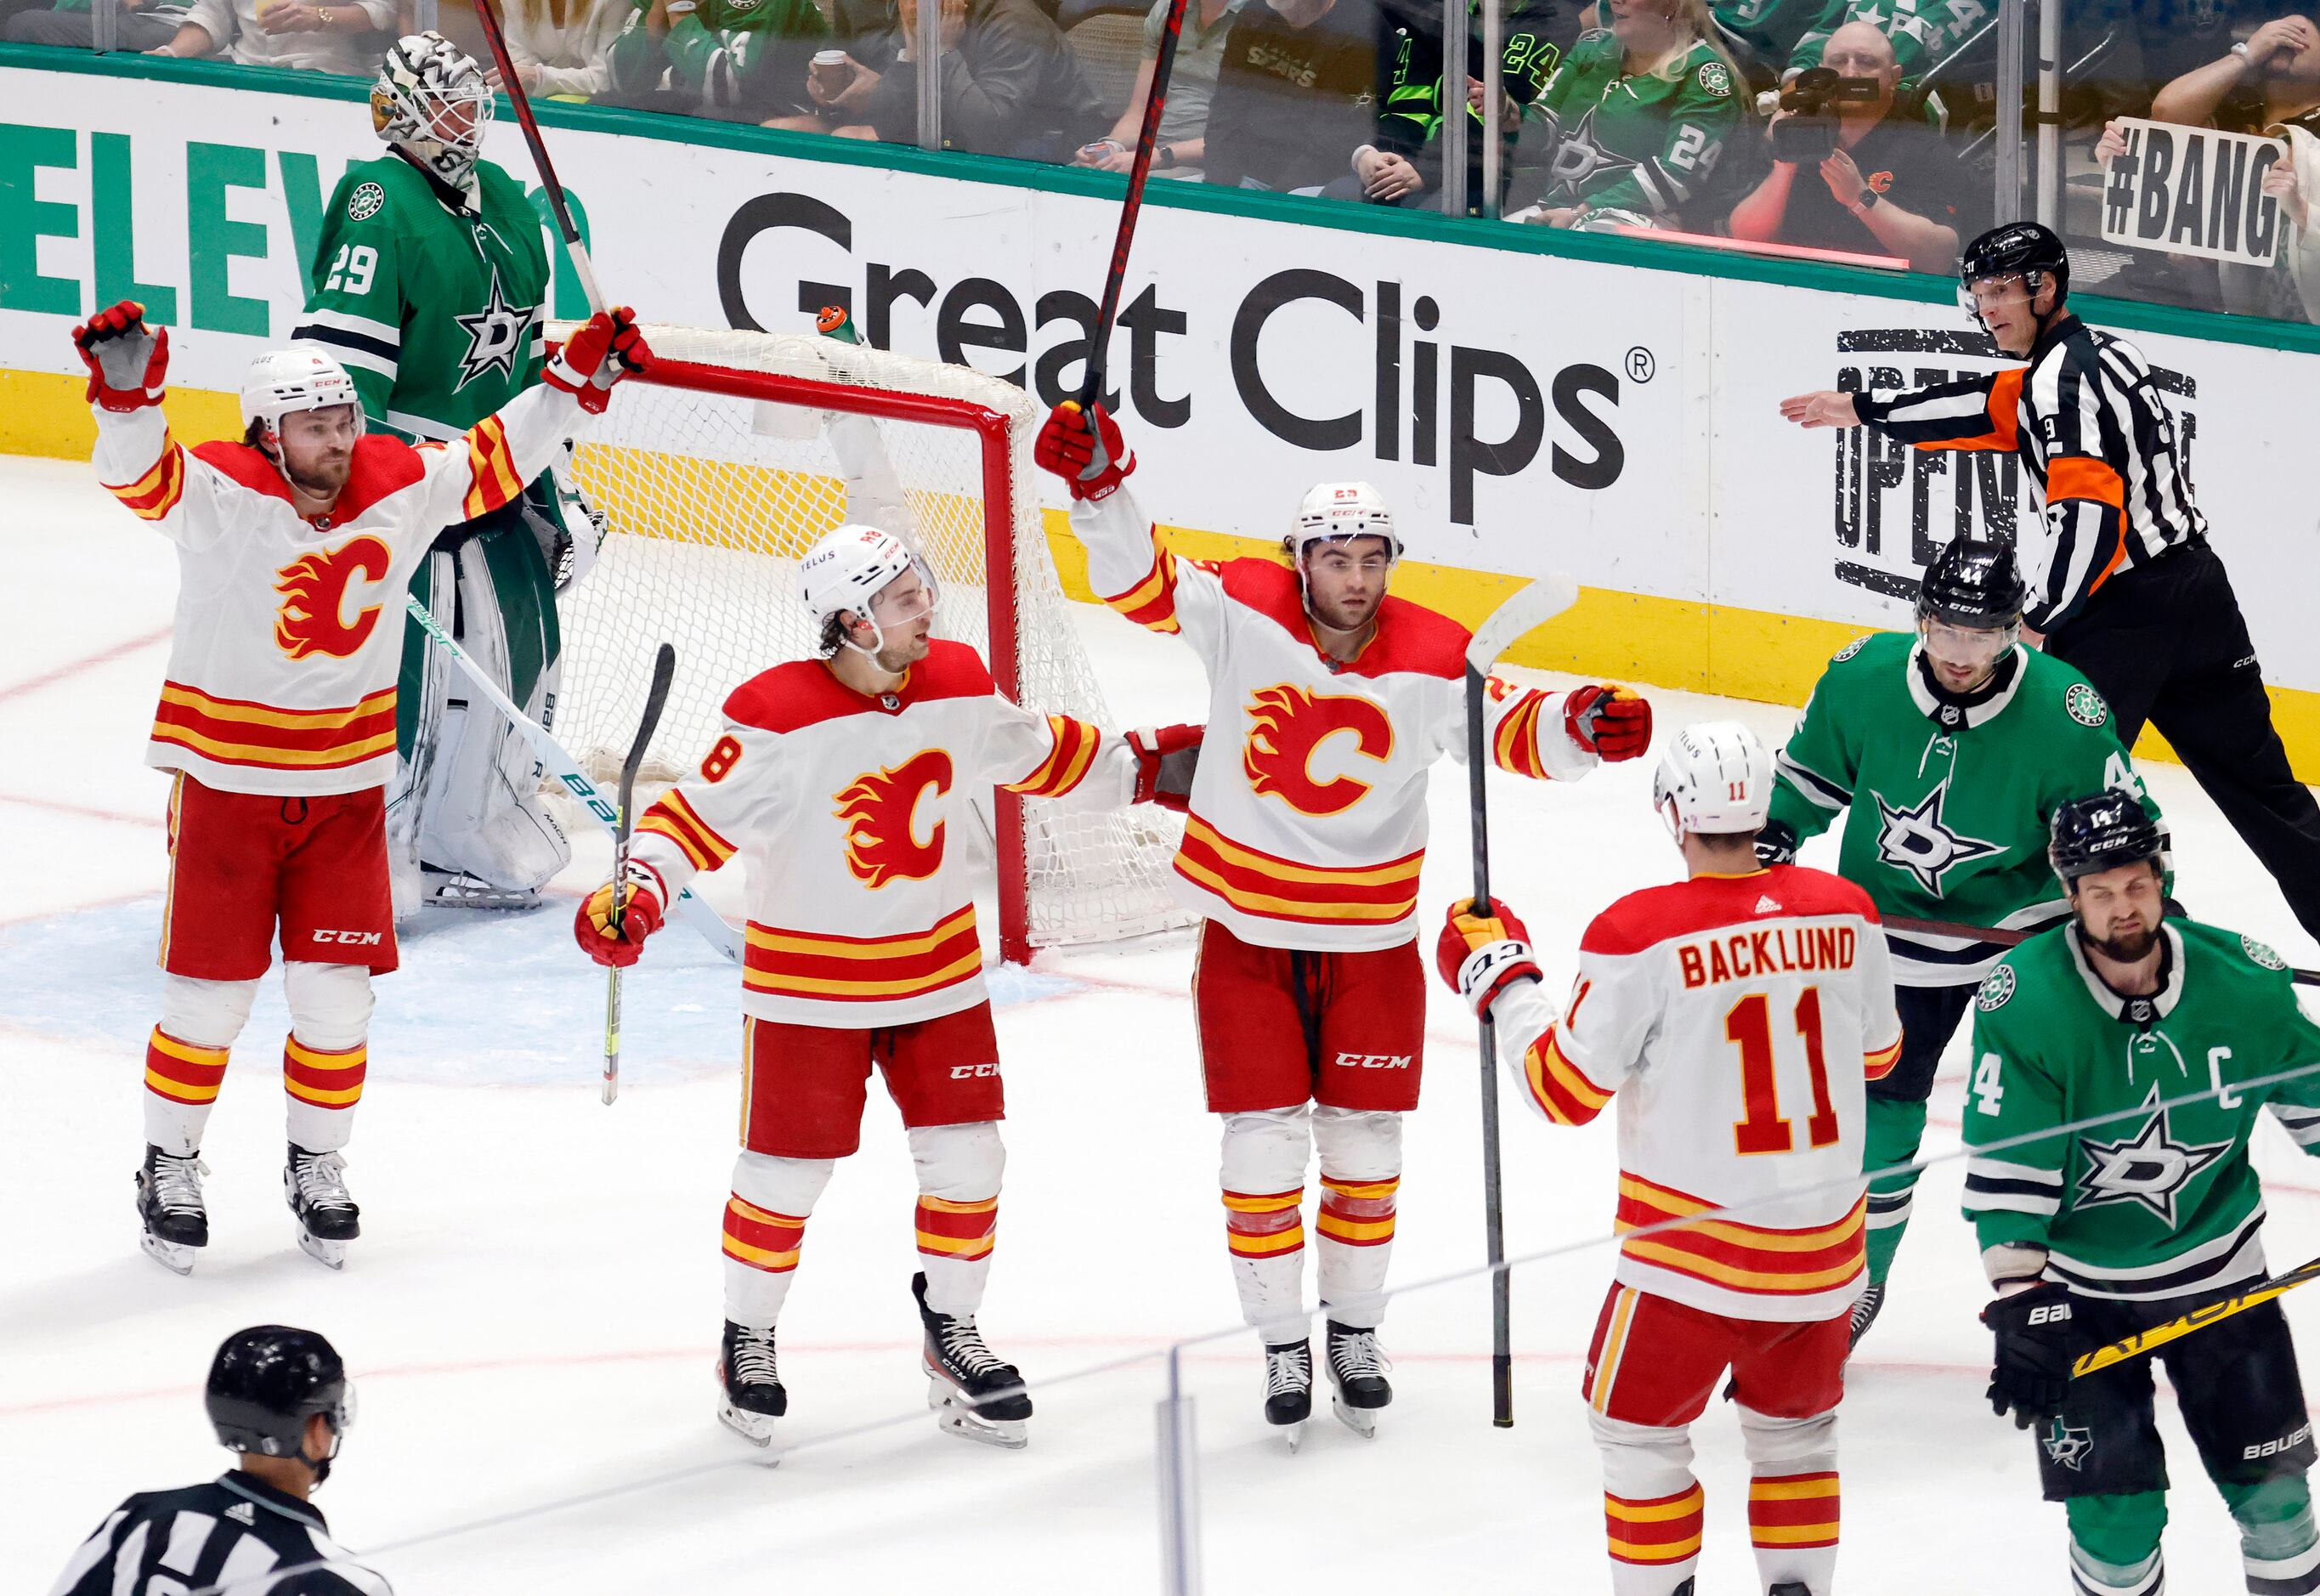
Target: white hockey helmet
432, 101
1334, 510
1714, 778
281, 381
847, 569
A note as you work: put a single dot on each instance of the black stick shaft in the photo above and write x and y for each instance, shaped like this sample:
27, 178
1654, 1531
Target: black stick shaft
1131, 207
623, 824
1494, 1236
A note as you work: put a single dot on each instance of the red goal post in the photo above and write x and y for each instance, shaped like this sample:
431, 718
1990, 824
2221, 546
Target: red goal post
719, 466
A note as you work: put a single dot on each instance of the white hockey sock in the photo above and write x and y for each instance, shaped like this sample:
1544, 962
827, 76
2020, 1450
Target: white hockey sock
959, 1169
1792, 1499
185, 1058
1361, 1172
2089, 1576
1654, 1510
765, 1222
326, 1058
1262, 1173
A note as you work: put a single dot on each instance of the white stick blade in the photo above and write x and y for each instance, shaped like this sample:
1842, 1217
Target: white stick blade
1532, 605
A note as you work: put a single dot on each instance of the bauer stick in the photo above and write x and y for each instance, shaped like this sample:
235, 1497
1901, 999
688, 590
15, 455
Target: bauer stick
487, 14
566, 769
1532, 604
1946, 928
656, 699
1162, 67
2198, 1319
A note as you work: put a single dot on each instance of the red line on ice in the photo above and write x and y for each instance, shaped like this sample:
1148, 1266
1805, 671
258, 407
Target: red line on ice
66, 671
84, 812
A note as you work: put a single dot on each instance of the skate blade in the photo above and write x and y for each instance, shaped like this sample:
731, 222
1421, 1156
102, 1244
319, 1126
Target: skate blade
1294, 1434
175, 1256
756, 1428
1361, 1421
488, 899
956, 1415
330, 1254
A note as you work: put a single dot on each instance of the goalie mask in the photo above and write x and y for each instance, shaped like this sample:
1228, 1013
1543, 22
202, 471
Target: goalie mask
861, 571
431, 103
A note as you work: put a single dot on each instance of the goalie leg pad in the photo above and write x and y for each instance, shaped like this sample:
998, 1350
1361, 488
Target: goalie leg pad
1654, 1510
1262, 1173
326, 1056
1792, 1497
765, 1223
959, 1169
1361, 1174
185, 1058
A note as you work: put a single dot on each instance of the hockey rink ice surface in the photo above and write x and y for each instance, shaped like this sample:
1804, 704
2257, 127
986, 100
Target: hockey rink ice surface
531, 1313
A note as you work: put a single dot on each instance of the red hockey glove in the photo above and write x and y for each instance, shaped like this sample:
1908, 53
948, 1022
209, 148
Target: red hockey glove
640, 916
606, 348
1166, 759
1091, 463
1614, 723
127, 361
1480, 954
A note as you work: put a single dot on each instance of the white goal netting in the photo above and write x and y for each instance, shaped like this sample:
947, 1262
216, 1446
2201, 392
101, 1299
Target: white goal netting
713, 497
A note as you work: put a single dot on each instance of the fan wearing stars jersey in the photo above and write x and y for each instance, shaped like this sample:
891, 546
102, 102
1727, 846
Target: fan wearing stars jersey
1952, 748
2156, 1044
430, 273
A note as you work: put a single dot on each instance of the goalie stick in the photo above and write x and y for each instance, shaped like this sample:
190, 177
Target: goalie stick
656, 699
566, 769
1532, 604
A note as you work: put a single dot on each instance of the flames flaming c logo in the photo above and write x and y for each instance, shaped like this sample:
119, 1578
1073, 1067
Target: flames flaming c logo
1288, 724
313, 589
880, 809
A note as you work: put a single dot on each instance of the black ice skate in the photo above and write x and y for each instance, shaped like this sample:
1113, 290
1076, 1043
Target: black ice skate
753, 1396
1289, 1388
1865, 1314
314, 1184
1793, 1587
169, 1204
1357, 1373
972, 1392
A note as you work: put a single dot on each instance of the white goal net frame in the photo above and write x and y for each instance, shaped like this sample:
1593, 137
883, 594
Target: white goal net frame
721, 463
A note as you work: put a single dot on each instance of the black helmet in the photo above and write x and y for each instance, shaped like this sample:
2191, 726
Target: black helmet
267, 1381
2023, 248
2102, 833
1973, 583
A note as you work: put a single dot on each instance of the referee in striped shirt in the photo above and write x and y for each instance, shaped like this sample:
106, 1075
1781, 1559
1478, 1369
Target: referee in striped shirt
2132, 594
279, 1397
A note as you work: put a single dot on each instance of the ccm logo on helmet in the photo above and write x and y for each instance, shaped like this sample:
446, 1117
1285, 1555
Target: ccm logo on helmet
1372, 1061
351, 938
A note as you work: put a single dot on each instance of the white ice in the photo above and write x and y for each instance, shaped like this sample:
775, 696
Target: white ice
531, 1312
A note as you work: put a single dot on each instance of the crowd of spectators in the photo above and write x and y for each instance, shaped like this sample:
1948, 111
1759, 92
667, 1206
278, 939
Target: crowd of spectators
1862, 128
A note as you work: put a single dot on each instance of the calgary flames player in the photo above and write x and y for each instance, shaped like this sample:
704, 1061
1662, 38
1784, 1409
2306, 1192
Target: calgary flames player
1301, 848
279, 716
844, 781
1741, 1012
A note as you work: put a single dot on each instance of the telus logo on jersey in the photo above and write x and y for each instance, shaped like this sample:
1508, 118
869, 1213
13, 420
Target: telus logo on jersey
1288, 725
313, 589
880, 809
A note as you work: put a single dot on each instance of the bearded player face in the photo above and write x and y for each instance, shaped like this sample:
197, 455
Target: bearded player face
318, 448
2119, 911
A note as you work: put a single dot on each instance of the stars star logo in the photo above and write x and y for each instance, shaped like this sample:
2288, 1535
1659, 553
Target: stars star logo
1916, 838
2150, 1167
496, 337
2069, 1444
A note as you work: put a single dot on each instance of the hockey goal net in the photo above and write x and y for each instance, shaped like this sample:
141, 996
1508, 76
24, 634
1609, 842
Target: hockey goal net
718, 467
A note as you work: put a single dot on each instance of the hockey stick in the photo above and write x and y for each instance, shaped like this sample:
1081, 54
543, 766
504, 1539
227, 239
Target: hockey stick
1948, 928
565, 768
1531, 605
2198, 1319
656, 699
1162, 67
487, 14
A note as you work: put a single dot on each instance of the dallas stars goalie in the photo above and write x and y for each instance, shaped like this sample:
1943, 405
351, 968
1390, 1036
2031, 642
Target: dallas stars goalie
429, 278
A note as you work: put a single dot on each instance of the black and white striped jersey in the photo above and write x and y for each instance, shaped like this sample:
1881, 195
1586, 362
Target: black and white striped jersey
230, 1537
2086, 420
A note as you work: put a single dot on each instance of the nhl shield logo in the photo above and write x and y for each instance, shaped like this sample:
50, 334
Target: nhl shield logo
364, 202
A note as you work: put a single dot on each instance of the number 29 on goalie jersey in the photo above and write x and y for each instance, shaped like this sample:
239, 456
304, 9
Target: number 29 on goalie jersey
1738, 1019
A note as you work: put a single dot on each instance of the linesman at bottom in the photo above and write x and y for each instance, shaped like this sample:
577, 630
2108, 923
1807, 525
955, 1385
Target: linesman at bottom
2104, 1231
279, 1397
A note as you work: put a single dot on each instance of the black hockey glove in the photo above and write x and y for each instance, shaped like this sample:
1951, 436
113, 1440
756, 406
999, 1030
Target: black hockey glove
1776, 844
2037, 1338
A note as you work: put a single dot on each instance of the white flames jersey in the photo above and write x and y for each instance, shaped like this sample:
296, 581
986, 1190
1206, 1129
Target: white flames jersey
852, 812
1307, 821
288, 633
1738, 1017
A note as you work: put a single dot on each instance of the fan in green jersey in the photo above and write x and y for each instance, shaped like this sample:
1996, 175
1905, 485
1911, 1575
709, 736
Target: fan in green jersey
1953, 749
2157, 1042
429, 279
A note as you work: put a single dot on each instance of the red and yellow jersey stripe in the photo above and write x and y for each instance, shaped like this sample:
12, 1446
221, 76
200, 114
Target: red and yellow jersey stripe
1750, 1259
1559, 1087
238, 731
674, 818
1072, 752
1151, 604
492, 481
1269, 888
1514, 746
826, 968
1877, 1065
154, 494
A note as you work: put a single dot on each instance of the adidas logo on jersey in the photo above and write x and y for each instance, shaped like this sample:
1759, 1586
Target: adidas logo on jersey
1767, 904
242, 1512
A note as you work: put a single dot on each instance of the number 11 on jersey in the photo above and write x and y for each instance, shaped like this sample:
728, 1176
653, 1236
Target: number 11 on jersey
1748, 1027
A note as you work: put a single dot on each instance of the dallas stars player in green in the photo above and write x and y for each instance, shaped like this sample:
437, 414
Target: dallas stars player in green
428, 278
2153, 1030
1953, 749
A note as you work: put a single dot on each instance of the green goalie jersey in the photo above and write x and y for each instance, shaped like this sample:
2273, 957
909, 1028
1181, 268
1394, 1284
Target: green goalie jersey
1949, 820
435, 310
2157, 1200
